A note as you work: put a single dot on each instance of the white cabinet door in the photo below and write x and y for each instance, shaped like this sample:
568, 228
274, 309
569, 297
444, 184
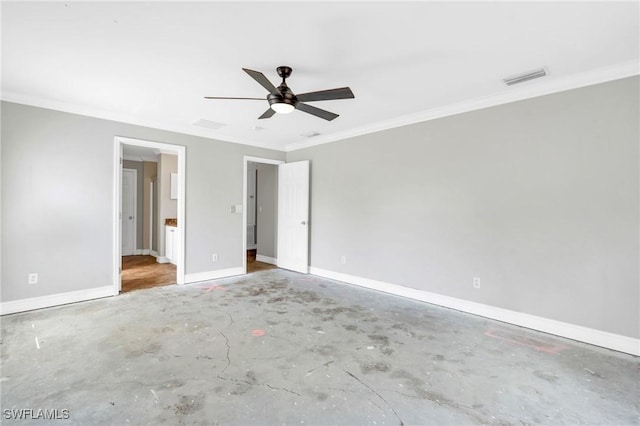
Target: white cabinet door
170, 243
293, 216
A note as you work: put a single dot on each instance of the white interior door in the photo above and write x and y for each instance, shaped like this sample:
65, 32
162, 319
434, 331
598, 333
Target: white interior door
293, 216
128, 216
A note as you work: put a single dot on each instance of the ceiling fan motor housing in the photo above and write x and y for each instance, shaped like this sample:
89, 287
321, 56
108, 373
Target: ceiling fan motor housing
286, 96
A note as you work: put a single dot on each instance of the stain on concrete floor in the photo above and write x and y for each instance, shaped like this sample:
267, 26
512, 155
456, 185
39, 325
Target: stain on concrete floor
277, 347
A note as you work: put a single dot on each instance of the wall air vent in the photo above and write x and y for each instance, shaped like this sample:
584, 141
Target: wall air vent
510, 81
208, 124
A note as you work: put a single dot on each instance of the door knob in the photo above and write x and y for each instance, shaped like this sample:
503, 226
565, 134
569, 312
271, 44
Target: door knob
303, 223
130, 217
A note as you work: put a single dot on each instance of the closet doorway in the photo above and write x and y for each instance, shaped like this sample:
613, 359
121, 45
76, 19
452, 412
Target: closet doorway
261, 214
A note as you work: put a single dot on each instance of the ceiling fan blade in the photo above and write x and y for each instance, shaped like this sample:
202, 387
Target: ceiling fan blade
267, 114
326, 95
262, 80
316, 111
224, 97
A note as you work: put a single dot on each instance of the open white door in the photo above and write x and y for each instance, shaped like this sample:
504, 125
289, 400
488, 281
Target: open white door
293, 216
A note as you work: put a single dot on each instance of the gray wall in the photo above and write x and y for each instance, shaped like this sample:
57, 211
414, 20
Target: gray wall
538, 198
59, 223
267, 197
138, 166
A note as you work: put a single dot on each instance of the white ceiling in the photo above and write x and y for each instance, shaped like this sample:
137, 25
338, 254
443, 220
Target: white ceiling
152, 63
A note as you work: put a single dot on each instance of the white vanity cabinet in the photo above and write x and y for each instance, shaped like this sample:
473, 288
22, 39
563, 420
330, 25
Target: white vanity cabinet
171, 243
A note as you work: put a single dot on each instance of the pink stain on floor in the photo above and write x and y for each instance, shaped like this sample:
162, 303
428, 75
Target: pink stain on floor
521, 341
257, 332
213, 287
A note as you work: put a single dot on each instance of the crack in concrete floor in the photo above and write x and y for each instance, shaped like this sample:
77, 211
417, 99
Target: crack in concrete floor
377, 394
327, 353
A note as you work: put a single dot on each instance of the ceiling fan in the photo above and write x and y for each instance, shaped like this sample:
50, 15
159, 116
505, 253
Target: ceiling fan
283, 101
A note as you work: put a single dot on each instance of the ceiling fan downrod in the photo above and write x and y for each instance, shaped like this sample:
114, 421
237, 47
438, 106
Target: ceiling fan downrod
284, 72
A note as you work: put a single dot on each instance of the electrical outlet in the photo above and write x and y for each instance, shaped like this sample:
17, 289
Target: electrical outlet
214, 257
33, 278
344, 260
476, 282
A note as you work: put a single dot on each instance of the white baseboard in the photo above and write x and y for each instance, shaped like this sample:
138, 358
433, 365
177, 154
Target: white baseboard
213, 275
30, 304
162, 259
266, 259
571, 331
153, 253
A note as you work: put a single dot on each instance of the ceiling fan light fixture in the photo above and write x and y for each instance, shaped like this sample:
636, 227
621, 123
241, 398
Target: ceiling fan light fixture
283, 101
282, 107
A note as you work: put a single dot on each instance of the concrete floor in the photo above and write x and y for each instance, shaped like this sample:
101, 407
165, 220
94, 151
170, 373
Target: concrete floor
278, 347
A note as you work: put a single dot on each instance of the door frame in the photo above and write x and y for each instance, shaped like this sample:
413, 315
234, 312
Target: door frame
164, 148
135, 208
245, 191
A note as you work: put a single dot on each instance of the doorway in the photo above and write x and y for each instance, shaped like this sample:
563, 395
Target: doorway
286, 219
142, 256
260, 214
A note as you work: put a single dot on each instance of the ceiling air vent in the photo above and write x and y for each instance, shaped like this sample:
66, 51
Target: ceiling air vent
525, 77
208, 124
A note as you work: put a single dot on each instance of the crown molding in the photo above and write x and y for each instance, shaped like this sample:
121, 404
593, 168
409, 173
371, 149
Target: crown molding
36, 101
533, 89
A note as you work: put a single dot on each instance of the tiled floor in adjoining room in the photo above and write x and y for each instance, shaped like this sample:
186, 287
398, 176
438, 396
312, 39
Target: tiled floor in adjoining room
276, 347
